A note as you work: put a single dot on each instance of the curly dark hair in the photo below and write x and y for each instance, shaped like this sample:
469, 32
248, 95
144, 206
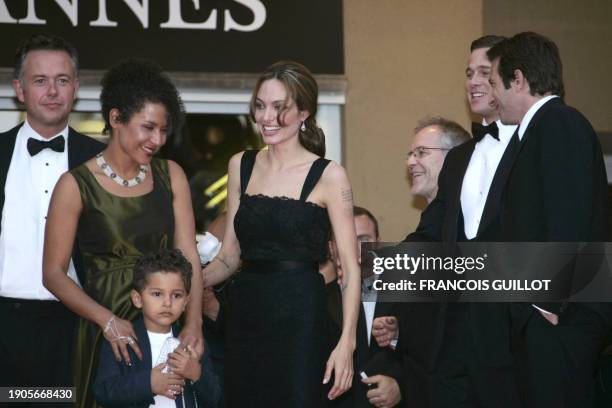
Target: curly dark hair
164, 260
46, 42
130, 84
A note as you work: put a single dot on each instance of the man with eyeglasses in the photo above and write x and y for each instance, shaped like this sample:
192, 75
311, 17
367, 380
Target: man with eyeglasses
433, 138
468, 357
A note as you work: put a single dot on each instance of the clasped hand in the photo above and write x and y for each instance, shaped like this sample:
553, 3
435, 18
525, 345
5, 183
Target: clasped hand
184, 364
167, 384
384, 329
191, 336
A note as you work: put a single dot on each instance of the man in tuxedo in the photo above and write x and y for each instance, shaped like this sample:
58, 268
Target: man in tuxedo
556, 192
464, 347
433, 138
36, 342
385, 384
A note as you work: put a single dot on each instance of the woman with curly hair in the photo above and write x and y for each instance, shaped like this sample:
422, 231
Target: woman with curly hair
116, 207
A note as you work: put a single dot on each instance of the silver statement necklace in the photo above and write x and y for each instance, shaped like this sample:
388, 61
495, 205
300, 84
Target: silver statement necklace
108, 170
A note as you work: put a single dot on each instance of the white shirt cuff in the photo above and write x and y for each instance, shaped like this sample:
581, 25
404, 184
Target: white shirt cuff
393, 342
542, 310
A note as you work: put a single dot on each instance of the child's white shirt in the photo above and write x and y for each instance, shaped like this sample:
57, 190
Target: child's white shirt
157, 341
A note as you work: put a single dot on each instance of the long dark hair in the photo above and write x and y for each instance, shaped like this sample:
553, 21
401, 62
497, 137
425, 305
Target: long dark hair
302, 88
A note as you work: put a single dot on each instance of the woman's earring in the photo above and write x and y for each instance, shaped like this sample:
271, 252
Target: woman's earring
303, 127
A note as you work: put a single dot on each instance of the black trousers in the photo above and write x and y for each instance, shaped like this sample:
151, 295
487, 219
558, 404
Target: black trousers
35, 344
558, 363
460, 379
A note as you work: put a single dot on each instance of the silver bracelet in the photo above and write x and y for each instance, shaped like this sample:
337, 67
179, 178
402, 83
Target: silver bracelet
109, 324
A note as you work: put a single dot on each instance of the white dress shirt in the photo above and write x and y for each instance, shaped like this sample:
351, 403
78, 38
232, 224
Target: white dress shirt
479, 176
157, 340
530, 114
369, 296
29, 185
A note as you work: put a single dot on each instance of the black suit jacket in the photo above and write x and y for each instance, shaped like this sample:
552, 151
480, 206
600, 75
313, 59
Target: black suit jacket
80, 149
557, 190
374, 360
442, 221
119, 385
370, 358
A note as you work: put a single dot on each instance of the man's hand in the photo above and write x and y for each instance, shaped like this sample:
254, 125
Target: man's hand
551, 317
167, 384
185, 363
387, 392
384, 329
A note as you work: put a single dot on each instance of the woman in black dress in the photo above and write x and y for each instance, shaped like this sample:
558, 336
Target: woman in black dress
282, 204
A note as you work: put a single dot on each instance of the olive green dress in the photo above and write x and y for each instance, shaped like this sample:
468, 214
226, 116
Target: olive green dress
113, 232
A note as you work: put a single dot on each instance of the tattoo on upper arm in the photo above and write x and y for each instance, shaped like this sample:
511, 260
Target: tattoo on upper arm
347, 194
347, 197
344, 284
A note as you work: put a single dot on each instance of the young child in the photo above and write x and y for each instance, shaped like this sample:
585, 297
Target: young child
161, 289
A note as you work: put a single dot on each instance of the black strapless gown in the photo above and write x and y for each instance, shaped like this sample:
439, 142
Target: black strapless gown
277, 340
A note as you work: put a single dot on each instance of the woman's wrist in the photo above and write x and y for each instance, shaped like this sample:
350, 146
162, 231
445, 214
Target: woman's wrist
347, 341
194, 320
103, 319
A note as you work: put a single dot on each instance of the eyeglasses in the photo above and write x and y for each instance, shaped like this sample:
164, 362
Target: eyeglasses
421, 151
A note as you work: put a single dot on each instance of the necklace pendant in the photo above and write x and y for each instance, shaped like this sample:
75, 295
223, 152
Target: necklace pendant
108, 170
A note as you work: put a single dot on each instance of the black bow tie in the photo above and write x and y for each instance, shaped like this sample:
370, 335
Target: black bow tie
35, 146
479, 131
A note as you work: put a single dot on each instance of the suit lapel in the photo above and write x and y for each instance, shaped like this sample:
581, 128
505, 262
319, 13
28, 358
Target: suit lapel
383, 309
504, 168
143, 342
534, 120
77, 151
449, 228
506, 164
7, 146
